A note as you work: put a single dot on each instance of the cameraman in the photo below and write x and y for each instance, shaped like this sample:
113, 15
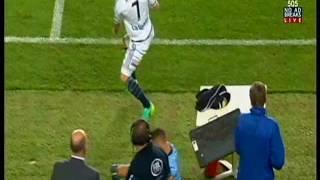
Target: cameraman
149, 163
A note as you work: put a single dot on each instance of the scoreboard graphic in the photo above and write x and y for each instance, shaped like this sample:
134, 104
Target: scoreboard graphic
292, 13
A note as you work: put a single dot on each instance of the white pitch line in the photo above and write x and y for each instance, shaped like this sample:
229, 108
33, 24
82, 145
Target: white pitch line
175, 42
57, 19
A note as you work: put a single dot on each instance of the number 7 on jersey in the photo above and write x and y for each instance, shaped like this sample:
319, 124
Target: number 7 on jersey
136, 3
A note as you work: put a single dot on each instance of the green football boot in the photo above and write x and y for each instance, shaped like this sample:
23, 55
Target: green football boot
148, 112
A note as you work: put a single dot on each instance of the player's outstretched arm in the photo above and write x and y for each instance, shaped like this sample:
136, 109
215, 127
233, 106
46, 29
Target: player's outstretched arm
125, 41
117, 20
116, 28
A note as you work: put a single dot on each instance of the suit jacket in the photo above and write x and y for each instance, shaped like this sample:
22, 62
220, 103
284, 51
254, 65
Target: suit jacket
74, 169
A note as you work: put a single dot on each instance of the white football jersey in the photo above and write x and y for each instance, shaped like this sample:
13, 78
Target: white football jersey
135, 16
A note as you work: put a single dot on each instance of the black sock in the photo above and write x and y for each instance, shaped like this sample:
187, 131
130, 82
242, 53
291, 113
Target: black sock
134, 75
136, 91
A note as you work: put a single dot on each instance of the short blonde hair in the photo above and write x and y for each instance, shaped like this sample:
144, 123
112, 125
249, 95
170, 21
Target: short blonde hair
258, 94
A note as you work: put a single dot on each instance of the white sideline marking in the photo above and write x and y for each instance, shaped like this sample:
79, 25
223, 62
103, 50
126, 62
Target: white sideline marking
57, 19
176, 42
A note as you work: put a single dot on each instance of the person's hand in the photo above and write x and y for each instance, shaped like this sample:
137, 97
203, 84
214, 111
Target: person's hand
125, 41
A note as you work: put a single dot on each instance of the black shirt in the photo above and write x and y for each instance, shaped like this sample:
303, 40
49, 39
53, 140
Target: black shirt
150, 163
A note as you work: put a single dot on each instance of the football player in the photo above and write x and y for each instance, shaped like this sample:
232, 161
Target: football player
134, 14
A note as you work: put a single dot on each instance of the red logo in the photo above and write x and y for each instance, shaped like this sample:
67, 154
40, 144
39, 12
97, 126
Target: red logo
293, 20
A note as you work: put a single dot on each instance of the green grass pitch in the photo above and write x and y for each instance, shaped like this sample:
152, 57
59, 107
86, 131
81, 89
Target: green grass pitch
53, 89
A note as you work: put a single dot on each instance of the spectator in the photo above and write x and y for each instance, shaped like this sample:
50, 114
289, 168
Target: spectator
160, 138
258, 140
76, 168
149, 163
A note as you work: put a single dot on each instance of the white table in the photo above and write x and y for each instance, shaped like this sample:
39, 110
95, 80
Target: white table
239, 99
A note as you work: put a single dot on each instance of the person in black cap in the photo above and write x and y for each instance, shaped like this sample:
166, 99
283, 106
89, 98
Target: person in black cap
149, 163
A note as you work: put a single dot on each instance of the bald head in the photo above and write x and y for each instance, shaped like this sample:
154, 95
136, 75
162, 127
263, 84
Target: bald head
78, 142
258, 94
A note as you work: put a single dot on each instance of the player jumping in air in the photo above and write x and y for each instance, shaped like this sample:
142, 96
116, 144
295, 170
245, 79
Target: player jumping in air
134, 14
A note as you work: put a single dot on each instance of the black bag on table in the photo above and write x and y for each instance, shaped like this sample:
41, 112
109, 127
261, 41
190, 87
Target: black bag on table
215, 98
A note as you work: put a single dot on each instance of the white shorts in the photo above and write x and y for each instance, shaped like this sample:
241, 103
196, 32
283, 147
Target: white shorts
134, 55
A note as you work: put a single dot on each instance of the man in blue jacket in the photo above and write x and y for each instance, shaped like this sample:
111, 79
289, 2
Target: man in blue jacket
258, 140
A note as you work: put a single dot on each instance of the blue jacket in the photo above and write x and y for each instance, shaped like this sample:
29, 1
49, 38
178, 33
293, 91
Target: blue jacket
260, 146
174, 163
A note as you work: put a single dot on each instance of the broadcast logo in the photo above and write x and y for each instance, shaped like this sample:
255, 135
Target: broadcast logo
292, 13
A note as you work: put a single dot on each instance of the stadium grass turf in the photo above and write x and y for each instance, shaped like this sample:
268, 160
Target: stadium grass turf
248, 19
164, 69
28, 18
42, 108
38, 124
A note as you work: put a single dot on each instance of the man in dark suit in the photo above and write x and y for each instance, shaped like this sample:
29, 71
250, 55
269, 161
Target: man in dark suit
75, 168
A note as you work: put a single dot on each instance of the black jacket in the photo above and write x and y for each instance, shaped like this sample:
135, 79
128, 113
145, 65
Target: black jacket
151, 163
74, 169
